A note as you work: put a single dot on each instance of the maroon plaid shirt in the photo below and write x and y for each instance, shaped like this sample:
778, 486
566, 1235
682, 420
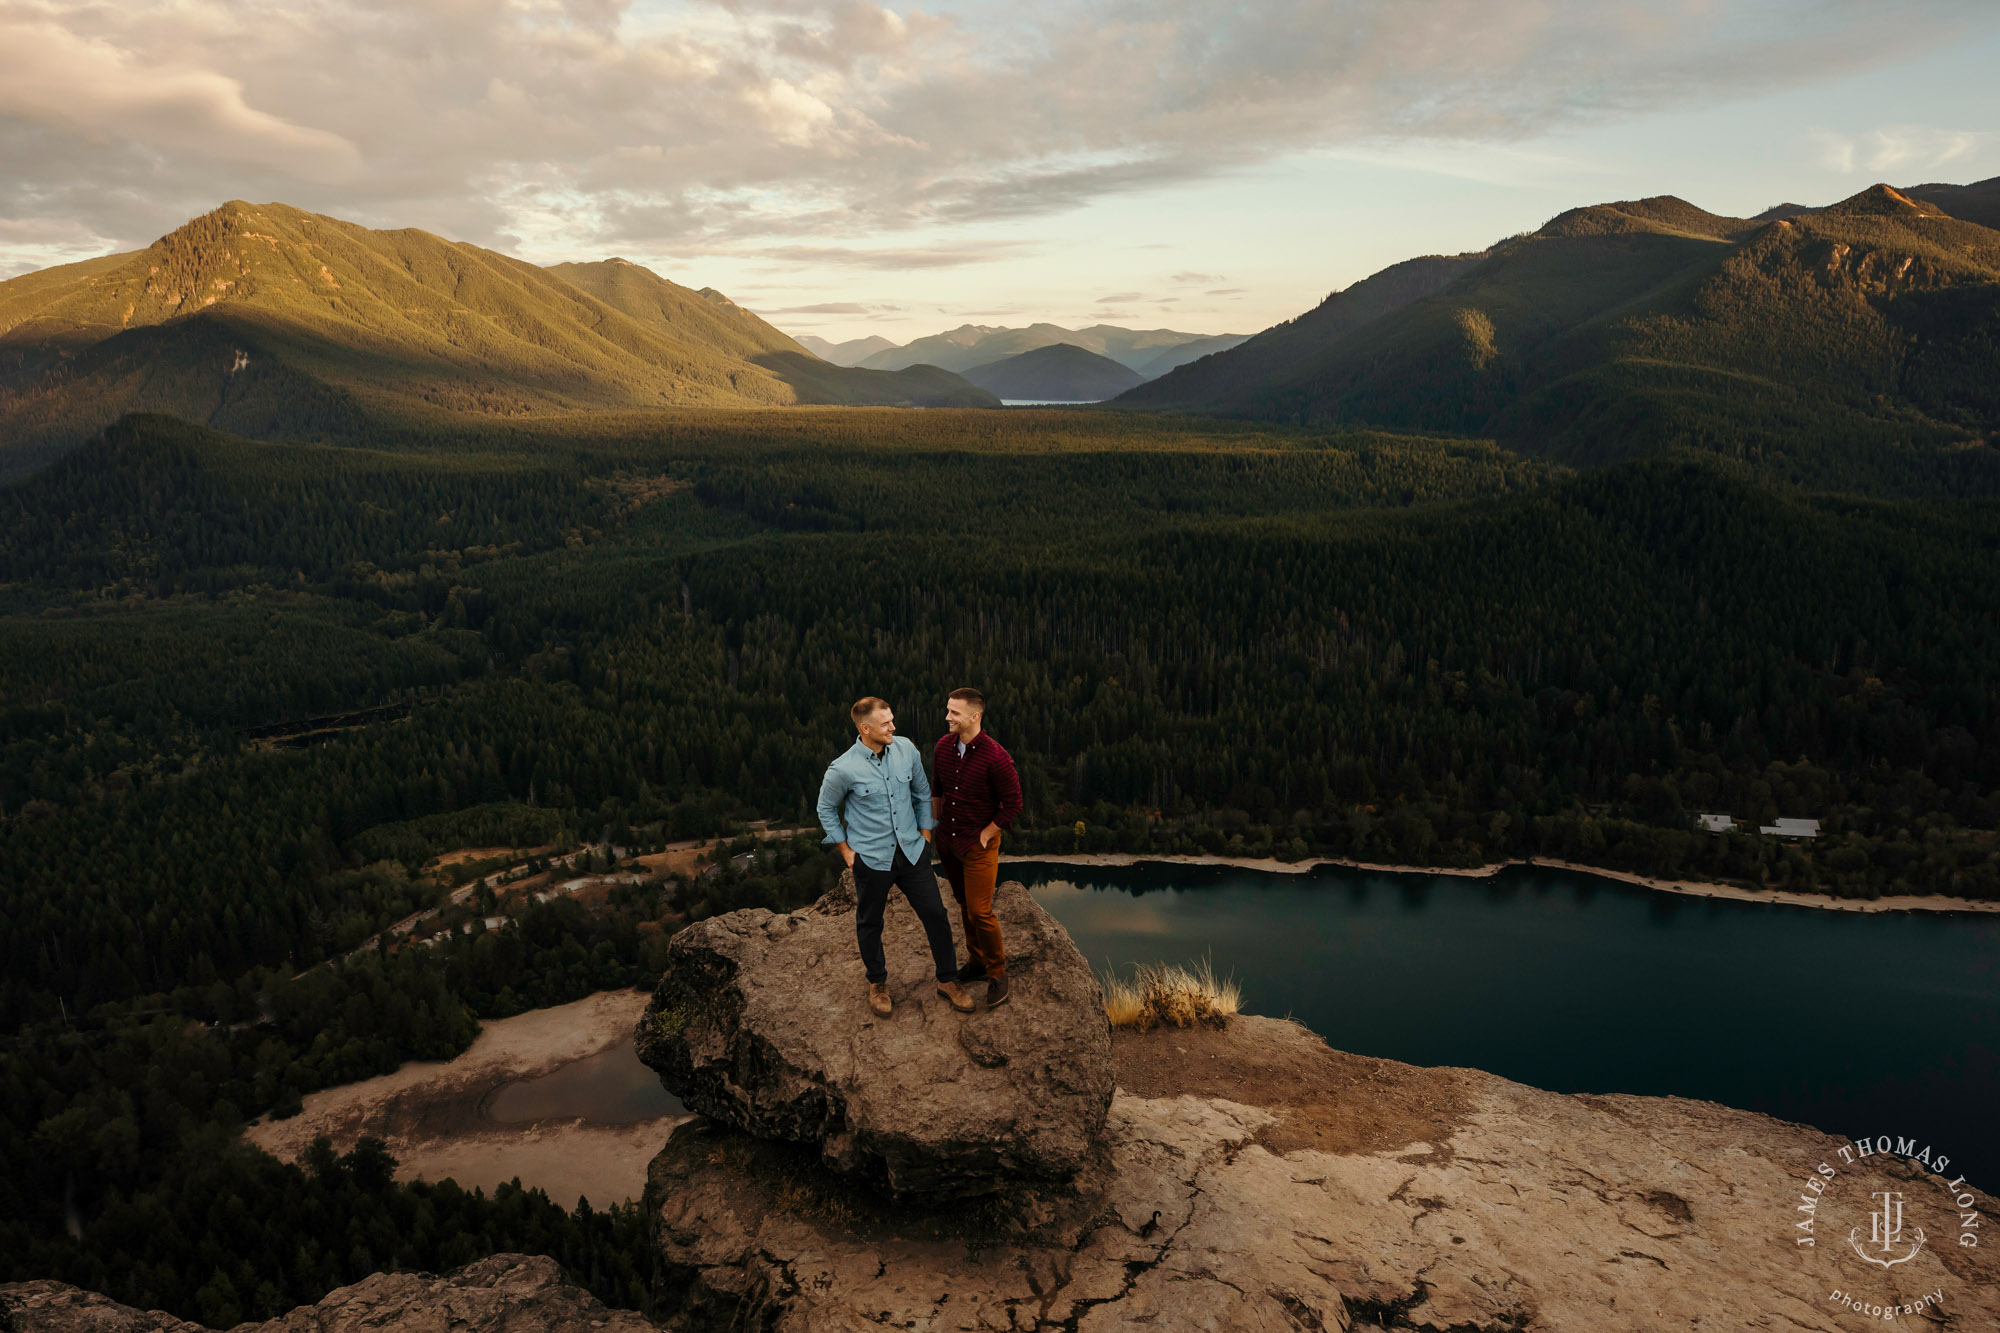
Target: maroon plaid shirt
980, 789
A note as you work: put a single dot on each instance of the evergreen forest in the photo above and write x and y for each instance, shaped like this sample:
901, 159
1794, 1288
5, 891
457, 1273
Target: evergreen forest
249, 691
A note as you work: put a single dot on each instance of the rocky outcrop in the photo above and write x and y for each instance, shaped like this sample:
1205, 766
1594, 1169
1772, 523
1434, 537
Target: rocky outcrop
1250, 1179
761, 1023
513, 1293
1262, 1181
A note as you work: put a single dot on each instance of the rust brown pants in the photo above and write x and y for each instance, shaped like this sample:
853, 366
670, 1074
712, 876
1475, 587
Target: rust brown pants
973, 875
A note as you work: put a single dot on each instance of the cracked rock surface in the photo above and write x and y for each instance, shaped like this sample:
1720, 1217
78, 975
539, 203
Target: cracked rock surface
764, 1247
1260, 1180
513, 1293
761, 1022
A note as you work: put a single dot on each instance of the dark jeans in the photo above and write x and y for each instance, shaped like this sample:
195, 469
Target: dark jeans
919, 886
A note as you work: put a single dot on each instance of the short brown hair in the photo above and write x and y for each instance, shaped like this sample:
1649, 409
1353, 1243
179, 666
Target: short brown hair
864, 706
970, 695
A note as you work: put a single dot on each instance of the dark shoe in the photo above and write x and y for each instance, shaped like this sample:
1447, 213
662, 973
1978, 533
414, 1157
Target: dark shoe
959, 999
972, 972
996, 992
878, 998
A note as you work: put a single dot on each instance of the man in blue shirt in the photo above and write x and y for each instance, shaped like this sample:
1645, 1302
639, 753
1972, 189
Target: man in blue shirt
883, 835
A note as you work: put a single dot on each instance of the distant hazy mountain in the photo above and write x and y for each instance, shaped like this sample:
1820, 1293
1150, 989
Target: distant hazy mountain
282, 324
1174, 357
1057, 373
1861, 331
976, 344
850, 353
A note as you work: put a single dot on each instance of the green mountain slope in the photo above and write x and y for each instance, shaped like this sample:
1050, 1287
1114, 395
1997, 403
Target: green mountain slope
1200, 387
1978, 202
712, 319
706, 317
270, 321
1058, 373
1856, 346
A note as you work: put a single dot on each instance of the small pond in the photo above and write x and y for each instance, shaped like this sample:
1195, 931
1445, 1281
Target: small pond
609, 1088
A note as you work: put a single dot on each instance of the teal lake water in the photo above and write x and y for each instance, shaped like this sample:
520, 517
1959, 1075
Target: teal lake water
1858, 1023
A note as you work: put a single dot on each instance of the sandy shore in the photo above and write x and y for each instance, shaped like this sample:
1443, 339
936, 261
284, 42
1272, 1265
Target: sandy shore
431, 1113
1929, 902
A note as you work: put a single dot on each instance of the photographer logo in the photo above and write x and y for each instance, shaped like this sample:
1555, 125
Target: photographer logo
1886, 1232
1902, 1187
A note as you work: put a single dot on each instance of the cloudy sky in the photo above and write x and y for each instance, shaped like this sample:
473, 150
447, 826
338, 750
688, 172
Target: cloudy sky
847, 167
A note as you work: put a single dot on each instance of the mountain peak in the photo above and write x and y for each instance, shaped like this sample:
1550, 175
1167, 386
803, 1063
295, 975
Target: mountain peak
272, 318
1783, 212
1884, 201
1055, 372
1664, 213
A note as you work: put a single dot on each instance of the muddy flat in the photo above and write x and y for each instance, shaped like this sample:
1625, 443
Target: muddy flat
438, 1117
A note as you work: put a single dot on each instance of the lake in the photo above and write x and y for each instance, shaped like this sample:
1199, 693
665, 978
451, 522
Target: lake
1857, 1023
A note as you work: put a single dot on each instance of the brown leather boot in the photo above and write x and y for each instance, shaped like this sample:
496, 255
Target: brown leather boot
954, 992
878, 998
996, 992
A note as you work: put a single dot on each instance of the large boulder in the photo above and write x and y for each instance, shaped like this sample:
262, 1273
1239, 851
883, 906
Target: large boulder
761, 1021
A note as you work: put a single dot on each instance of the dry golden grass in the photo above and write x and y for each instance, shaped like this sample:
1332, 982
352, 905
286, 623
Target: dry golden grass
1170, 995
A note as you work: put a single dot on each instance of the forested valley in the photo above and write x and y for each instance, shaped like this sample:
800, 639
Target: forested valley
251, 690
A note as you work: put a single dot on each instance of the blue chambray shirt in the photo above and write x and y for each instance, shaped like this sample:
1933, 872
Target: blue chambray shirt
888, 802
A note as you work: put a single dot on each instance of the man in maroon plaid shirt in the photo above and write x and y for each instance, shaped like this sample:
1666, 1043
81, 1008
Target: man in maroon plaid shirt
977, 795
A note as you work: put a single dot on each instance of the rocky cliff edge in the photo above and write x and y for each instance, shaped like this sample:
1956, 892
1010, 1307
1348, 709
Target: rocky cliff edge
1246, 1178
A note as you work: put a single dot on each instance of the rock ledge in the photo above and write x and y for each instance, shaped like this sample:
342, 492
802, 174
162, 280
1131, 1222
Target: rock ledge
1262, 1182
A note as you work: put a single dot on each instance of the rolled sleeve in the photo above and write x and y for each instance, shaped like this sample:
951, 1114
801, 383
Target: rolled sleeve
832, 791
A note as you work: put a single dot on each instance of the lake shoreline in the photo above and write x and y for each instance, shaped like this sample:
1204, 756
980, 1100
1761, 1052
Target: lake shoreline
1930, 902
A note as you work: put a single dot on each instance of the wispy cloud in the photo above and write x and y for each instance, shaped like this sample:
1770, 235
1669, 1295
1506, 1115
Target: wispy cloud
890, 258
1195, 279
1900, 148
95, 89
830, 308
579, 127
